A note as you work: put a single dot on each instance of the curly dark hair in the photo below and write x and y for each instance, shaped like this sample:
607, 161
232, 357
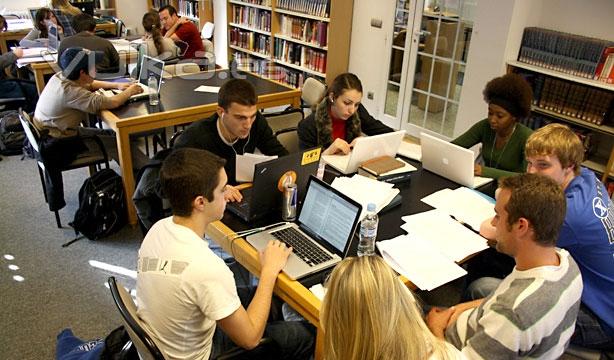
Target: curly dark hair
512, 92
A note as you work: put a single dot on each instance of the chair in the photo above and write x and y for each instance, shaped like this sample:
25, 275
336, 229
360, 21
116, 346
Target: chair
284, 125
145, 345
207, 31
181, 68
120, 28
25, 98
90, 158
312, 92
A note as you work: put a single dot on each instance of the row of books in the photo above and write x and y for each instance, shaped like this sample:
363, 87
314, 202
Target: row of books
571, 99
319, 8
188, 8
311, 31
257, 2
250, 41
160, 3
251, 17
269, 70
605, 69
300, 55
572, 54
586, 136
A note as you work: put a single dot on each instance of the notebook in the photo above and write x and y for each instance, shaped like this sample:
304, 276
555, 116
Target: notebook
450, 161
322, 234
366, 148
265, 195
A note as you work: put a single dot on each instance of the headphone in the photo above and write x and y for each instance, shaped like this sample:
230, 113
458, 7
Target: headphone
232, 145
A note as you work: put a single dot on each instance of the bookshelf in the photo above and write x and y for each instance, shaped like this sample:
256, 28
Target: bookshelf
288, 41
561, 103
198, 11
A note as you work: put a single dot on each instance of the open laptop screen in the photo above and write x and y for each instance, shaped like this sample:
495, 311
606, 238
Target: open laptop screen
33, 12
54, 42
151, 66
328, 215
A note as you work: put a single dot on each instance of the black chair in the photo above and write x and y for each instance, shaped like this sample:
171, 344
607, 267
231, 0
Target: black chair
91, 159
284, 125
25, 98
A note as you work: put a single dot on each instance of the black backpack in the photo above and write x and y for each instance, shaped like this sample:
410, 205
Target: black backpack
102, 207
12, 135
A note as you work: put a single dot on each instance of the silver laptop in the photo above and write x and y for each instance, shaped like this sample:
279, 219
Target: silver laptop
450, 161
322, 234
54, 38
366, 148
149, 66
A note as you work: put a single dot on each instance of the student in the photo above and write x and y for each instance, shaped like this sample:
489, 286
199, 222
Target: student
85, 26
339, 119
64, 12
63, 106
502, 137
182, 31
155, 44
587, 232
368, 313
38, 36
236, 128
16, 88
185, 291
3, 24
532, 313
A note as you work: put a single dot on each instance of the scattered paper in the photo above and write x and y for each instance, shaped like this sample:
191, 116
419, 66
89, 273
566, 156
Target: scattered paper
318, 290
245, 165
365, 190
466, 205
419, 261
209, 89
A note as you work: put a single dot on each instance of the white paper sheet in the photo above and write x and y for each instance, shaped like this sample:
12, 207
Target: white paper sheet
466, 205
209, 89
449, 236
245, 165
319, 291
419, 261
365, 190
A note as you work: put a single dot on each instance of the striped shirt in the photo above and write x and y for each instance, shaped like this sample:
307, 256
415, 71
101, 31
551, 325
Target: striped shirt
531, 314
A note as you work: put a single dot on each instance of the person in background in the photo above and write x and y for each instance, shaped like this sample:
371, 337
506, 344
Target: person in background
189, 301
16, 88
155, 44
64, 12
85, 25
38, 36
236, 128
3, 25
532, 313
182, 31
368, 313
339, 118
501, 135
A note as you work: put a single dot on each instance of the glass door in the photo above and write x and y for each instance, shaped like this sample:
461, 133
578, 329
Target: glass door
436, 41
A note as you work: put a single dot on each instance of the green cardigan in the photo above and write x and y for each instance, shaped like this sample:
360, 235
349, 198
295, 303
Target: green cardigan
507, 161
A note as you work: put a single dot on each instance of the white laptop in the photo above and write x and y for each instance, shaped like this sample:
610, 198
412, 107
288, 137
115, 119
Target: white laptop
365, 148
52, 44
149, 66
322, 234
450, 161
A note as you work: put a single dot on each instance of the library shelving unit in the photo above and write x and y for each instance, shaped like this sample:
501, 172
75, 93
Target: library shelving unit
106, 7
288, 41
601, 157
198, 11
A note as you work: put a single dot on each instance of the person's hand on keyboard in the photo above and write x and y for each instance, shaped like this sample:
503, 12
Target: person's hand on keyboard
125, 85
274, 257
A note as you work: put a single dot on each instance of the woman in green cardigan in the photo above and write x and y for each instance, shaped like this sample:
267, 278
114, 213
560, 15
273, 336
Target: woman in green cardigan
502, 137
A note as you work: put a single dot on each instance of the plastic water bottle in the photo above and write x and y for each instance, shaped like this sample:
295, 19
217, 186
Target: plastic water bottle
368, 232
152, 83
320, 172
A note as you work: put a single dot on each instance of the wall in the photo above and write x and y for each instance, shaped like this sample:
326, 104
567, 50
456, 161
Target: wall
131, 12
14, 6
588, 18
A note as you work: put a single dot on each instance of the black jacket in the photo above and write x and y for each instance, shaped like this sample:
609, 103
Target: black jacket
317, 129
204, 135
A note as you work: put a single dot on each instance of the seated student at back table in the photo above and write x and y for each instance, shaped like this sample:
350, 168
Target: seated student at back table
502, 137
191, 291
38, 36
236, 128
587, 232
339, 118
63, 106
532, 313
155, 44
64, 11
181, 30
368, 313
85, 26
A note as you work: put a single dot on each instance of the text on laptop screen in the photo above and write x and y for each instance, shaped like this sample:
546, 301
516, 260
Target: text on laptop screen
328, 215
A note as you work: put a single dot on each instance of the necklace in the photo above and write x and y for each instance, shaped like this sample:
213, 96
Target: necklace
494, 144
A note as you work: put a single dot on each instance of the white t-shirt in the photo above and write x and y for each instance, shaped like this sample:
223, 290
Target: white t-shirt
183, 288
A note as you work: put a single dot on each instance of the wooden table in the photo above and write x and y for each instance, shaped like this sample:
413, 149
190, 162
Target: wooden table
180, 104
108, 26
6, 36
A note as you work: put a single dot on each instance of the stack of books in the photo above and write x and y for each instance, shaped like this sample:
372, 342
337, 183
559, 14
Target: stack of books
311, 31
387, 169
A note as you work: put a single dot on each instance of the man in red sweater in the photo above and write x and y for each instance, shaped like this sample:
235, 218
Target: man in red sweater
182, 31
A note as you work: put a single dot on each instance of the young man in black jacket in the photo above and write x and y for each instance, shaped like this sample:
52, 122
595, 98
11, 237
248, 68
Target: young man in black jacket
235, 129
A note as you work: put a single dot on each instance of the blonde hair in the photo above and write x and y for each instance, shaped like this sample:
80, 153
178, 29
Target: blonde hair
65, 7
558, 140
369, 314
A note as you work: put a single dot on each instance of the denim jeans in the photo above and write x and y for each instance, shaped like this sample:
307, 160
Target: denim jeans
589, 333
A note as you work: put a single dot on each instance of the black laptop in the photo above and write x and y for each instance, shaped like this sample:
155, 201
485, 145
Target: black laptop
265, 195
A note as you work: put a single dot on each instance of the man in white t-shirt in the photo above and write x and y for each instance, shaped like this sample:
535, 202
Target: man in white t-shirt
184, 290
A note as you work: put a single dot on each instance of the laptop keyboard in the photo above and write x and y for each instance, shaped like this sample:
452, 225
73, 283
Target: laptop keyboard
302, 246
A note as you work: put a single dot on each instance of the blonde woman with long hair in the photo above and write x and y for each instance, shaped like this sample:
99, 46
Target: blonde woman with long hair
368, 313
